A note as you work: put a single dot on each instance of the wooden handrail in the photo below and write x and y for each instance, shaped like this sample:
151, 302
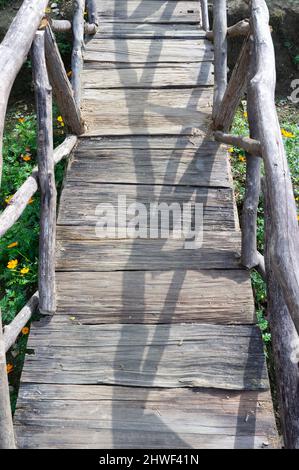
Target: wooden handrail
255, 69
13, 52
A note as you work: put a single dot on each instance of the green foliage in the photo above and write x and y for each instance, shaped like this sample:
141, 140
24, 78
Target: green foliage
290, 132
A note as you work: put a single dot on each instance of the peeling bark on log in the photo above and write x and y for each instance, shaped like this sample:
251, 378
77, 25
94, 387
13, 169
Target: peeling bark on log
13, 51
7, 439
285, 343
284, 249
19, 201
61, 85
43, 94
242, 28
78, 43
12, 331
234, 91
251, 146
220, 43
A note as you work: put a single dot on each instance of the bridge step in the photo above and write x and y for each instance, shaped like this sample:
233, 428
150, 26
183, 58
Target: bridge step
81, 416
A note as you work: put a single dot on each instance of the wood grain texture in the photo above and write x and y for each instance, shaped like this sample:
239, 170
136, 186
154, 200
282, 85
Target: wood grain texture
146, 112
185, 75
157, 417
147, 51
80, 205
155, 11
155, 297
177, 355
206, 165
149, 30
79, 249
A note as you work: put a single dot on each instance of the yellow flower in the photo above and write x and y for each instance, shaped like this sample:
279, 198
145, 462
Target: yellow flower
48, 10
69, 74
298, 217
24, 271
8, 199
25, 330
287, 134
12, 245
12, 264
242, 159
26, 157
59, 119
9, 368
30, 201
245, 115
21, 120
231, 150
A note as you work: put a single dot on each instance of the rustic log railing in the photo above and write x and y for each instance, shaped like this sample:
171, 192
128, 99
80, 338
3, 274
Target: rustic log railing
255, 72
31, 31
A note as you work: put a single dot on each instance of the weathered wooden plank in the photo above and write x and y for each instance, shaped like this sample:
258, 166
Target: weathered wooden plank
155, 297
79, 203
47, 437
186, 75
155, 11
143, 112
150, 30
156, 142
79, 249
179, 416
178, 355
205, 165
147, 51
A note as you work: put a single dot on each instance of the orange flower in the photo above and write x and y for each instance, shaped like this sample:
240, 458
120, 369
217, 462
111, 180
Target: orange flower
287, 134
30, 201
12, 245
21, 120
9, 368
12, 264
24, 271
242, 159
25, 330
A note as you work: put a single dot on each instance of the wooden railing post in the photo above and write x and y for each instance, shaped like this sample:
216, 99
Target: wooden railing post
92, 12
7, 439
77, 57
220, 45
249, 253
205, 15
43, 94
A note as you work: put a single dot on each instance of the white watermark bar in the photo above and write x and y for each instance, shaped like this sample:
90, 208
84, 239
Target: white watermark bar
154, 221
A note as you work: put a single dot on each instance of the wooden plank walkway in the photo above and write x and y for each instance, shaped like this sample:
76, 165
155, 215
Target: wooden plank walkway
153, 345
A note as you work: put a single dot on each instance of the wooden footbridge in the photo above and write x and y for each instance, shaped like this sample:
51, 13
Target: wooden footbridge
144, 343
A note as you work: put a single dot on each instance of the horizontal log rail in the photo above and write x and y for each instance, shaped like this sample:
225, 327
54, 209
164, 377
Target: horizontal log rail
255, 72
30, 30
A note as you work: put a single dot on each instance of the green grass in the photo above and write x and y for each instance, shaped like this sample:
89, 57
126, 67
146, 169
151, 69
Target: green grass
19, 246
289, 126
